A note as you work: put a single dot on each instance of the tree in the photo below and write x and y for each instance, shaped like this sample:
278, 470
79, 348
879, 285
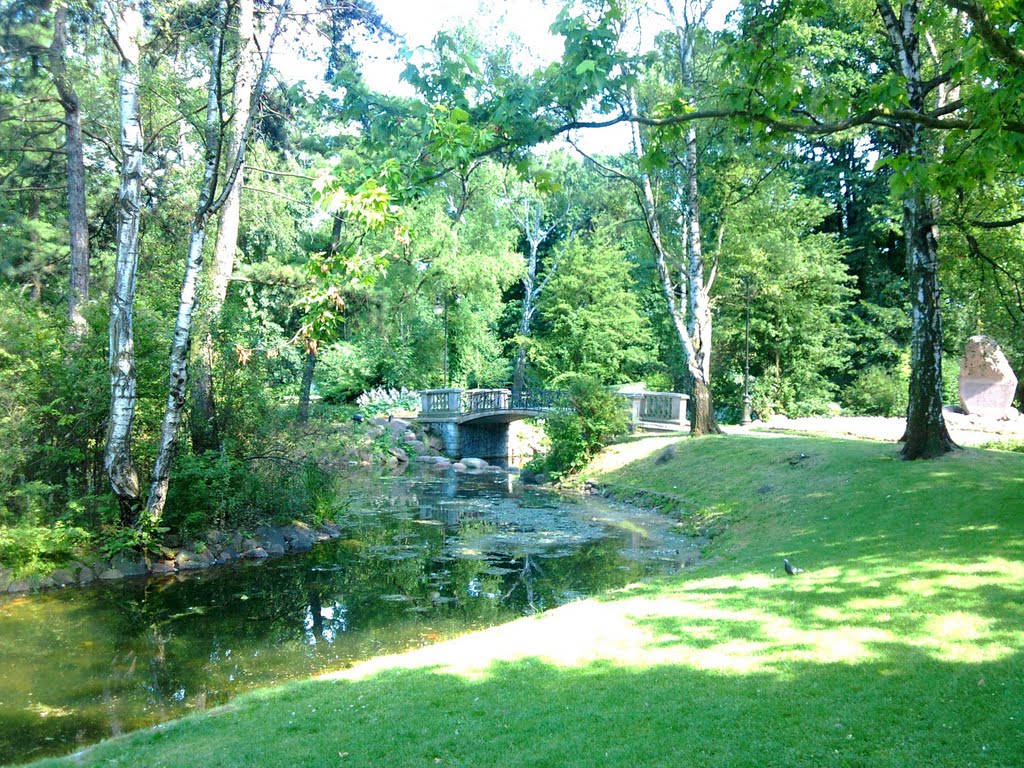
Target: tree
78, 222
127, 29
589, 316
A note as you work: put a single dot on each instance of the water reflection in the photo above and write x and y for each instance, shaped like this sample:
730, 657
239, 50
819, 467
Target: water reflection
422, 558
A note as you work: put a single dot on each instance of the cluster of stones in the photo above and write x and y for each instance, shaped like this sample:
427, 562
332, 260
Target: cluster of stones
462, 465
217, 549
406, 440
419, 446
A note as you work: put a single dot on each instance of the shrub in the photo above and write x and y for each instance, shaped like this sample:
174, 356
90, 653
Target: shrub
596, 417
382, 400
342, 372
878, 391
28, 549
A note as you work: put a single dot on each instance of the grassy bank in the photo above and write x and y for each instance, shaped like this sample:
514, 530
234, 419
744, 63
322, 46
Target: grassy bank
901, 644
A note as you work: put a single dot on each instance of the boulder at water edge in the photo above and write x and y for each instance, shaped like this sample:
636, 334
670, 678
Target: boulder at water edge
987, 383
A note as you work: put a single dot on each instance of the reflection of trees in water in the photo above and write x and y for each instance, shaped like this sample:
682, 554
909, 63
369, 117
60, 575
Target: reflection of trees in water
187, 643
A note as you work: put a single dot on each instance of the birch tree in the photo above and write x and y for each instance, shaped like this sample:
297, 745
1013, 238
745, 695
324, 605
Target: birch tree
926, 434
204, 414
529, 215
209, 204
126, 29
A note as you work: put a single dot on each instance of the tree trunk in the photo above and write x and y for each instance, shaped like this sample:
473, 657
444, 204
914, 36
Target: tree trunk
180, 341
689, 304
926, 435
207, 207
307, 386
117, 458
78, 223
204, 424
531, 224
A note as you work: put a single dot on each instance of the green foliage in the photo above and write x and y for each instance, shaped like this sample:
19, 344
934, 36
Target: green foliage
878, 391
37, 549
380, 401
342, 372
597, 417
144, 538
589, 317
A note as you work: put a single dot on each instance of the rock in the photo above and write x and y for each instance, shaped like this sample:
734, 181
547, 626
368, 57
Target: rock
435, 442
236, 540
5, 579
161, 567
256, 553
86, 575
528, 476
409, 437
299, 536
458, 466
474, 463
192, 561
442, 464
128, 564
273, 540
987, 383
229, 553
429, 459
18, 585
331, 528
216, 538
416, 446
399, 454
111, 574
62, 577
273, 549
397, 426
375, 432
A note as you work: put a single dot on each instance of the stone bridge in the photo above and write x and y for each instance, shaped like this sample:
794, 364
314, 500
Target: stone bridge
474, 422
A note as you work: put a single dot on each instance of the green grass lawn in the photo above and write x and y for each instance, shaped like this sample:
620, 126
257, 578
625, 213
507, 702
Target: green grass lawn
901, 645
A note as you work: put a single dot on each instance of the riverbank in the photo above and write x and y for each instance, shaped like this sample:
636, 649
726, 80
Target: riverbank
900, 644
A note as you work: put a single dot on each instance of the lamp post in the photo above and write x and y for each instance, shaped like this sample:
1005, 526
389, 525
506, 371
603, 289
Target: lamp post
441, 310
745, 418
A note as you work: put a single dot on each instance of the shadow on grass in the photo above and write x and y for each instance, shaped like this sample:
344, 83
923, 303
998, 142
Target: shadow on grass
900, 708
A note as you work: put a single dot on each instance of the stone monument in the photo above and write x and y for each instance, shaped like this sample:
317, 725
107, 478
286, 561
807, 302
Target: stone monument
987, 383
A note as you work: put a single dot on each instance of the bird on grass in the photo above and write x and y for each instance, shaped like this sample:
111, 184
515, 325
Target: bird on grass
791, 570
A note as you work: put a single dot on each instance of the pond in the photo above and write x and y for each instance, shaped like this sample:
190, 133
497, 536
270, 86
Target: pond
423, 557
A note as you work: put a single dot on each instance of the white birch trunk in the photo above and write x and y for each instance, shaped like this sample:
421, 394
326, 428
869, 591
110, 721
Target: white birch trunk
117, 458
926, 435
208, 205
205, 432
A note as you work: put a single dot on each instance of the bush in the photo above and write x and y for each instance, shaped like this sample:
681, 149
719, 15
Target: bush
342, 372
381, 400
878, 391
597, 417
32, 549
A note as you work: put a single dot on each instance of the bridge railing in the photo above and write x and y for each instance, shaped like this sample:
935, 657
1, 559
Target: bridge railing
448, 402
664, 409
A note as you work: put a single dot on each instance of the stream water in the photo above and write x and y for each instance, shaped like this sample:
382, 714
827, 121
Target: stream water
423, 557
